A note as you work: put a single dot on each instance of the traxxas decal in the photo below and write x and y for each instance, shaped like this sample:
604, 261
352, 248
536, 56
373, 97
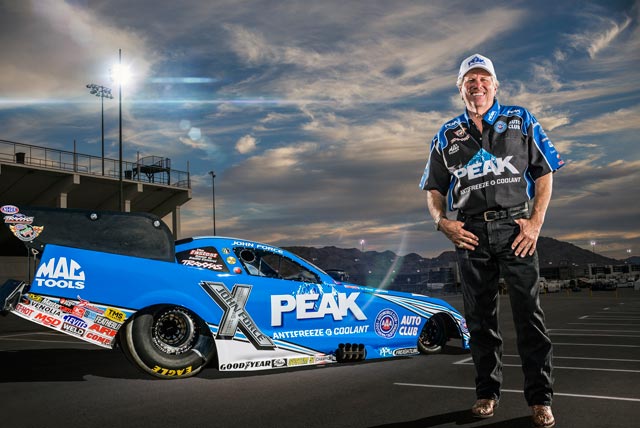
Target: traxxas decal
235, 316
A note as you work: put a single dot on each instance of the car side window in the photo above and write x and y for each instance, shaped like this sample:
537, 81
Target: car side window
270, 265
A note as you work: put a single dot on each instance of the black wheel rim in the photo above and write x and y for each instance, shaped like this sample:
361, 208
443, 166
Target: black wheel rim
431, 336
174, 331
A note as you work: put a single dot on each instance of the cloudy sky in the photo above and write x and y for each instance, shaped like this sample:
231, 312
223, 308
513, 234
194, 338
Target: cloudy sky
316, 116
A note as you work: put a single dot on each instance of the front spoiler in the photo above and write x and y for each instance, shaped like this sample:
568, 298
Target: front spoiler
10, 293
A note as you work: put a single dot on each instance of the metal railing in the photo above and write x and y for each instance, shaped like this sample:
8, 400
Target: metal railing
150, 169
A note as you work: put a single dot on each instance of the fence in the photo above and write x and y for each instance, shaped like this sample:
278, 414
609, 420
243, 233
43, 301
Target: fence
150, 169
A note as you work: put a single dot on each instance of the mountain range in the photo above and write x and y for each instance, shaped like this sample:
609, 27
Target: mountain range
551, 252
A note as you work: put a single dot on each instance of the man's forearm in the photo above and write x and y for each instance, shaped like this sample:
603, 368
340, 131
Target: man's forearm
436, 203
544, 186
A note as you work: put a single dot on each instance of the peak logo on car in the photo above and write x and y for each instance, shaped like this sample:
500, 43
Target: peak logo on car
61, 273
303, 304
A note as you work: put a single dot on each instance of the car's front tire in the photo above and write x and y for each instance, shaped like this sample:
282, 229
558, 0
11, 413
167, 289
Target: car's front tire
433, 336
167, 342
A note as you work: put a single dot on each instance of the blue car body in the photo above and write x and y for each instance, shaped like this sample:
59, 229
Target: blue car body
264, 306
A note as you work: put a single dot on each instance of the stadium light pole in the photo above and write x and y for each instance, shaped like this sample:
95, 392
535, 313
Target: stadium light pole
102, 92
120, 74
213, 197
593, 246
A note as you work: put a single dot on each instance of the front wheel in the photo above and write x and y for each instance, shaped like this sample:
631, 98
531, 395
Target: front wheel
433, 336
168, 342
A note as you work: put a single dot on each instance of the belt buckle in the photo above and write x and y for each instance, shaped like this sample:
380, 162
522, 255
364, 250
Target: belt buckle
486, 215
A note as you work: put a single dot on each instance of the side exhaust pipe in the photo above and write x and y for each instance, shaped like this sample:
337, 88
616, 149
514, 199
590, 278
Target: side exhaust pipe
350, 352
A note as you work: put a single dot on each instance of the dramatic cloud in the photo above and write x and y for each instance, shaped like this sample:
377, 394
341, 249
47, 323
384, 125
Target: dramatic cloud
316, 116
246, 144
598, 42
54, 47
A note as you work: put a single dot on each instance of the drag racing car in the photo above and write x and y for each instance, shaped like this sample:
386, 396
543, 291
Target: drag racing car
119, 279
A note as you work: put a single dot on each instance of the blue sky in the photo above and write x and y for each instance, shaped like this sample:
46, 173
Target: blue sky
316, 116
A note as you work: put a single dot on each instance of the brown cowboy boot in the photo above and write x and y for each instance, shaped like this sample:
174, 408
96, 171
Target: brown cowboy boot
483, 408
542, 417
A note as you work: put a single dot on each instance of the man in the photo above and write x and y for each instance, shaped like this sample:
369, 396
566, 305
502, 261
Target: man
487, 164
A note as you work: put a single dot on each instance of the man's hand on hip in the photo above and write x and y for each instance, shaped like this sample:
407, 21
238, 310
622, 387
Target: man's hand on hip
526, 241
460, 237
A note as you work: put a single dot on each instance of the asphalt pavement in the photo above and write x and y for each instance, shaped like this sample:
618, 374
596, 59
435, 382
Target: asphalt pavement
48, 380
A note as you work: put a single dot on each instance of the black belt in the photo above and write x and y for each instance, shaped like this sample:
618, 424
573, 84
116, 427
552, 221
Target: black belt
492, 215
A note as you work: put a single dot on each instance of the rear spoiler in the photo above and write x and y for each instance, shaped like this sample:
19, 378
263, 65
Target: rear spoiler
131, 234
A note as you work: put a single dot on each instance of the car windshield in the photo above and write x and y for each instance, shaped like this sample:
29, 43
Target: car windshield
270, 265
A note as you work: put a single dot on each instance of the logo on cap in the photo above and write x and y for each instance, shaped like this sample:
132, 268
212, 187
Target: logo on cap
475, 60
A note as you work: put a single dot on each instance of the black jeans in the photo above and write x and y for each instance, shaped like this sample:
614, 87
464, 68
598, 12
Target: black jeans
480, 270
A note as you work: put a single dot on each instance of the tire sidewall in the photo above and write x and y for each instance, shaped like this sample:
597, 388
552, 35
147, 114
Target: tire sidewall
139, 346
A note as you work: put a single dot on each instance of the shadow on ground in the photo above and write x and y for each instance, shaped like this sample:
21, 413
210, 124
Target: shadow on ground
461, 417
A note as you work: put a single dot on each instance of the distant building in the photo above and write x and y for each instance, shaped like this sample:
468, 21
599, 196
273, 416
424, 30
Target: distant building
426, 281
42, 177
614, 271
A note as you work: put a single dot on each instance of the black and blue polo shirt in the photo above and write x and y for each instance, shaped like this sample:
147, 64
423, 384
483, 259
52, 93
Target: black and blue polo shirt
493, 170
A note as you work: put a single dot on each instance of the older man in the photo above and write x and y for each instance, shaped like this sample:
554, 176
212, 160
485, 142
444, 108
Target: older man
488, 164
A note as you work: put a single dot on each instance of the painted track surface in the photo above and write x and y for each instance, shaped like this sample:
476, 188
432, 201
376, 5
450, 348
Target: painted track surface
50, 379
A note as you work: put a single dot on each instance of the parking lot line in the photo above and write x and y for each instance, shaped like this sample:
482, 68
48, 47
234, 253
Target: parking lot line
20, 337
469, 363
41, 340
552, 333
556, 357
555, 394
46, 333
617, 312
602, 323
615, 318
624, 360
591, 329
596, 344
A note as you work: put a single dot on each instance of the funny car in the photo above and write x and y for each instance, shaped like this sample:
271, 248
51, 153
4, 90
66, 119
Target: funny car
119, 279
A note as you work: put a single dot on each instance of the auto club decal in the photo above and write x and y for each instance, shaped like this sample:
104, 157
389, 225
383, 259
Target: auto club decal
20, 224
386, 323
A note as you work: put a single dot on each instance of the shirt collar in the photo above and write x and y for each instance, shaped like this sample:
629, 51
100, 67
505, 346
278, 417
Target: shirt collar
490, 116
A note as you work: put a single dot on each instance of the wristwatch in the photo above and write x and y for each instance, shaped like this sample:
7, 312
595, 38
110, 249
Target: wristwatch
437, 221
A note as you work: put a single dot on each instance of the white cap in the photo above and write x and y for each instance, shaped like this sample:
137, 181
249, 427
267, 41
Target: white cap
476, 61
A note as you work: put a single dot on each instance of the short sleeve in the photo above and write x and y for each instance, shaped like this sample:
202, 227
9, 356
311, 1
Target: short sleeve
436, 176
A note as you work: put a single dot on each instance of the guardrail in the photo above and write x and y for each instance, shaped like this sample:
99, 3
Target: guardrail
150, 169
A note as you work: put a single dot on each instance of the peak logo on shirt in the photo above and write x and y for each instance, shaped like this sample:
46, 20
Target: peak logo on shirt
484, 163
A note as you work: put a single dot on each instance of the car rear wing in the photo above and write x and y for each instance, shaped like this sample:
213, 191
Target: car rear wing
131, 234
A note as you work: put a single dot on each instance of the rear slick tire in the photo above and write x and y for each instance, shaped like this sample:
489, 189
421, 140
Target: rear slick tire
167, 342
